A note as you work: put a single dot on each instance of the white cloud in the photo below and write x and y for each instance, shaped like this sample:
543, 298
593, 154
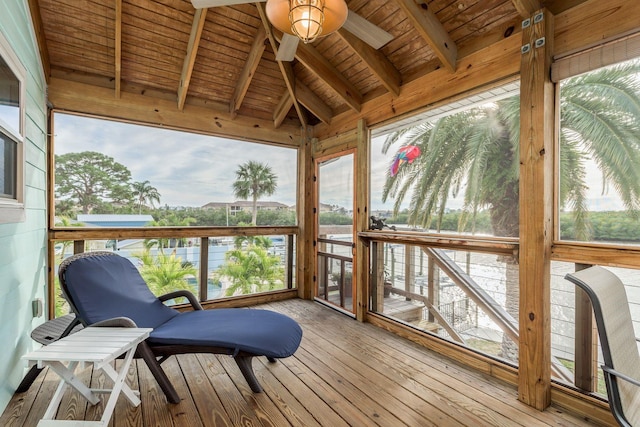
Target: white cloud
187, 169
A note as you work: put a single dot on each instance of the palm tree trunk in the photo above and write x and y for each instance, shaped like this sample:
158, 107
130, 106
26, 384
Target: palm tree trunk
254, 217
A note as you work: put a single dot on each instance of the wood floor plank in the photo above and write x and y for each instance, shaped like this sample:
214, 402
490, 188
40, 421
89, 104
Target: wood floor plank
185, 413
286, 397
235, 406
155, 409
265, 410
345, 373
204, 394
364, 352
73, 405
18, 408
125, 413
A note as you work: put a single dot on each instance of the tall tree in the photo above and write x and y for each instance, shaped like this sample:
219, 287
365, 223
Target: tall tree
90, 178
476, 152
254, 179
144, 192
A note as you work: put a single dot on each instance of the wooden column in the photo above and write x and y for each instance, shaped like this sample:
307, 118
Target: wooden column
536, 210
305, 260
361, 217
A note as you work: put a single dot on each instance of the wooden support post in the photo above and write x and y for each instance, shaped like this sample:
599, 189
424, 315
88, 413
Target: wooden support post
306, 221
409, 268
204, 268
586, 339
537, 121
433, 283
361, 186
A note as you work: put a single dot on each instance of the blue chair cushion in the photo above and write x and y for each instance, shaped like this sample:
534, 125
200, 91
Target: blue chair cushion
261, 332
107, 286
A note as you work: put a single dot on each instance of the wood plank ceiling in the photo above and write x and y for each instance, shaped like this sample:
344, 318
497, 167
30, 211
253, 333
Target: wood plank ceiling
223, 58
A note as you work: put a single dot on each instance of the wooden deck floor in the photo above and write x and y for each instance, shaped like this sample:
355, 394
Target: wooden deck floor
324, 384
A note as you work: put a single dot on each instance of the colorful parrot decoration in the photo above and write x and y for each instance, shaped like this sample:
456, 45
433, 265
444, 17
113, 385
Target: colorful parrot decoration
405, 154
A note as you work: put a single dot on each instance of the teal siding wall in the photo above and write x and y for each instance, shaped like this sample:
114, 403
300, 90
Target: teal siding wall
23, 245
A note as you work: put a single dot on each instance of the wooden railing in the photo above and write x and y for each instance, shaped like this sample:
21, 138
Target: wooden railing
80, 236
344, 279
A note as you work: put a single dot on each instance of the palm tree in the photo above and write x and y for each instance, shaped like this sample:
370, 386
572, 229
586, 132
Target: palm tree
166, 273
254, 179
251, 269
476, 151
144, 192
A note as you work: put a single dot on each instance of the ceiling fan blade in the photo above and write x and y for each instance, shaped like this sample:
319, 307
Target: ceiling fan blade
369, 33
201, 4
287, 48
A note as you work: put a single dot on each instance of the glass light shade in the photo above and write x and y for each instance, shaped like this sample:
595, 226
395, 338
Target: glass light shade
335, 13
306, 17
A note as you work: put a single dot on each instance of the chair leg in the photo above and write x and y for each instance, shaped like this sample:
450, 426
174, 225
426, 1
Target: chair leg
244, 363
29, 379
158, 373
271, 359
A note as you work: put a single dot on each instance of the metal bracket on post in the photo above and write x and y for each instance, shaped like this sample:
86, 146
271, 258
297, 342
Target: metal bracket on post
525, 48
540, 42
538, 17
526, 23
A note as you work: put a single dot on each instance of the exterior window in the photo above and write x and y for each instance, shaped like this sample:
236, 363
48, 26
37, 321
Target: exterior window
11, 135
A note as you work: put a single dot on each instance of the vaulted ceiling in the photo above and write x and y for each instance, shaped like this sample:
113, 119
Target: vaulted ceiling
223, 58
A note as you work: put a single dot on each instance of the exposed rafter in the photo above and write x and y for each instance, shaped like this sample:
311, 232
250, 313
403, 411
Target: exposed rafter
34, 8
285, 67
322, 68
118, 47
313, 103
431, 29
244, 81
283, 107
199, 19
526, 8
376, 61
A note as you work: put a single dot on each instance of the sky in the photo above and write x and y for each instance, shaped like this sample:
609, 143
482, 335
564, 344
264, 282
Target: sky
186, 169
193, 170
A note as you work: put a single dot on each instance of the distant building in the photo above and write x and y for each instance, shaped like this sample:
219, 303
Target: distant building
246, 206
108, 220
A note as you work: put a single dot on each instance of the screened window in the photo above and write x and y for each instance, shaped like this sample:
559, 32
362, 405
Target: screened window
451, 170
599, 185
113, 174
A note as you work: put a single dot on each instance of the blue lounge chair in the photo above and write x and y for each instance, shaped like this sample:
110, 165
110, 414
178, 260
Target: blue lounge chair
105, 289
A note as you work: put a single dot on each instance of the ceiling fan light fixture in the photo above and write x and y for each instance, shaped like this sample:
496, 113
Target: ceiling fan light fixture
307, 18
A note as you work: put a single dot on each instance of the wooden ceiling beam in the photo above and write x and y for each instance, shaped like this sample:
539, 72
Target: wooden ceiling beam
313, 103
118, 48
322, 68
430, 28
376, 61
250, 66
283, 107
134, 107
526, 8
199, 18
34, 9
285, 67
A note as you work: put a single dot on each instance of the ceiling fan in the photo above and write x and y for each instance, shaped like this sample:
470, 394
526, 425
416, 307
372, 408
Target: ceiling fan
308, 19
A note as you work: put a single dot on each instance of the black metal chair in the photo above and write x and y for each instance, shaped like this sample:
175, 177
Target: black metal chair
617, 338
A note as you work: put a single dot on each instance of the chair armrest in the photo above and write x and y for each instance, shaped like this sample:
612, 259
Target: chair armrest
117, 322
182, 293
620, 375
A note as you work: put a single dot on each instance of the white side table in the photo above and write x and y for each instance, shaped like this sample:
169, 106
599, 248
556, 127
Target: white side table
99, 346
